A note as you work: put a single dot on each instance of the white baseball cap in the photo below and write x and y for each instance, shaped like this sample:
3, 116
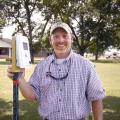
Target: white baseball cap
60, 25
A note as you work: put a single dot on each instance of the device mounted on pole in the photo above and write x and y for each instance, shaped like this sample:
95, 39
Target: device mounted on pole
20, 59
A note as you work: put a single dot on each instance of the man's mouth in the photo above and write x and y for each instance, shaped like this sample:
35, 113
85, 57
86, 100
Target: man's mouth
60, 45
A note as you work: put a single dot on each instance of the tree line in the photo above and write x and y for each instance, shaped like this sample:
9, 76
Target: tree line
95, 23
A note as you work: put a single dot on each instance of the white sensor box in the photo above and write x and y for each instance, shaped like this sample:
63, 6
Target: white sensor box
23, 58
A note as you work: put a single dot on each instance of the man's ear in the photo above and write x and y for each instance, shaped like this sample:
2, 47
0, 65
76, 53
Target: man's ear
72, 37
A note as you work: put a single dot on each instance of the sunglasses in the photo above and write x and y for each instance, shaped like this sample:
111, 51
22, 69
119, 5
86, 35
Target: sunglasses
49, 73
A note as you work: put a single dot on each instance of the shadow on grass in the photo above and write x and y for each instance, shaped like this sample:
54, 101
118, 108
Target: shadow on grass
28, 110
106, 61
8, 62
111, 108
5, 62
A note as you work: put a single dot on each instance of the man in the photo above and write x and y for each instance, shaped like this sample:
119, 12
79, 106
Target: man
65, 84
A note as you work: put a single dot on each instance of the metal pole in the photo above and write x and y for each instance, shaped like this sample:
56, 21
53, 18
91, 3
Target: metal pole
15, 96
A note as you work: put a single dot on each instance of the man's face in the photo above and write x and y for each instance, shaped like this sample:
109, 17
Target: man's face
61, 41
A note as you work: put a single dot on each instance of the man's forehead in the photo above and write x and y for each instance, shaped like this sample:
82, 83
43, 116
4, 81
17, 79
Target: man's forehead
62, 25
59, 29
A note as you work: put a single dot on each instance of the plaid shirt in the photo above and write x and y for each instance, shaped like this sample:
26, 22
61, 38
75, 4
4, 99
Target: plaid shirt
70, 98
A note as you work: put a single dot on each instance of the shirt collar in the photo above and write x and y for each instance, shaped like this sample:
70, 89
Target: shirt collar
66, 59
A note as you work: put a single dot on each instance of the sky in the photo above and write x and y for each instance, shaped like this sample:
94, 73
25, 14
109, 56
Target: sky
8, 31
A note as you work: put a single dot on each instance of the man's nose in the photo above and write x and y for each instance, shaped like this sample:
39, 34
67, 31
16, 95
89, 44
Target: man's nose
61, 39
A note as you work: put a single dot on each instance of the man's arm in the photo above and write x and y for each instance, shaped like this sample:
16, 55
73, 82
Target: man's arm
97, 109
26, 90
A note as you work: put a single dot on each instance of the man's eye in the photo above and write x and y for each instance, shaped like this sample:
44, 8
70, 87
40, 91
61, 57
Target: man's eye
56, 37
64, 36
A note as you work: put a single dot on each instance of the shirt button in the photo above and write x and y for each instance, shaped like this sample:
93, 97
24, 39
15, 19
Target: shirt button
59, 69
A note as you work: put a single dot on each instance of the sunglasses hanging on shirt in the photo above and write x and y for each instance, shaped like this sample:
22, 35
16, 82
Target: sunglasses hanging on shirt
49, 73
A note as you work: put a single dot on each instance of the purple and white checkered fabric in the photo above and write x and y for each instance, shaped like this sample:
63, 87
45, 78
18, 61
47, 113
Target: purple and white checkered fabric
67, 99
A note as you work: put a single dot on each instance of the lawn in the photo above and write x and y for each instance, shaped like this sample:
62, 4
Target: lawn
109, 73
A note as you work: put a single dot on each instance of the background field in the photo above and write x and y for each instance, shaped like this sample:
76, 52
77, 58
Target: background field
109, 73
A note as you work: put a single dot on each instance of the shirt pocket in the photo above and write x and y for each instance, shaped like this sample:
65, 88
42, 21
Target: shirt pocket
45, 85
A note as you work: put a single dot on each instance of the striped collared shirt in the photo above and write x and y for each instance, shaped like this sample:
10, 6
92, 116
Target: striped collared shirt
68, 98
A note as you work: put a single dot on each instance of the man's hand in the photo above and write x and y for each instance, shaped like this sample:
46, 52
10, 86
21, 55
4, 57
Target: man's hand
25, 88
10, 73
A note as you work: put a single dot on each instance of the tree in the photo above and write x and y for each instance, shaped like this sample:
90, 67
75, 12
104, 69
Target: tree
92, 23
73, 11
21, 13
106, 26
2, 18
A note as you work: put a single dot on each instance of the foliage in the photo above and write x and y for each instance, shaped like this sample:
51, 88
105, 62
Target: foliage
106, 27
2, 18
43, 42
21, 13
92, 23
95, 23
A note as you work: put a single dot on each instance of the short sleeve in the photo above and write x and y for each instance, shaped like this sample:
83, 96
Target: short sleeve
94, 90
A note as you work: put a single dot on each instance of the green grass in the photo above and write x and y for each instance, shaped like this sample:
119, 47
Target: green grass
4, 62
109, 73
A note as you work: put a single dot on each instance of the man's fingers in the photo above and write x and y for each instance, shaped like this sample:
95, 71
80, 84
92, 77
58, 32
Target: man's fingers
10, 66
22, 70
10, 75
10, 72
